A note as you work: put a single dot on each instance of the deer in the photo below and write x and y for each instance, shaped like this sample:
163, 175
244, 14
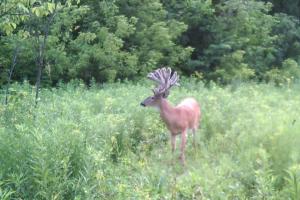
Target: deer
178, 119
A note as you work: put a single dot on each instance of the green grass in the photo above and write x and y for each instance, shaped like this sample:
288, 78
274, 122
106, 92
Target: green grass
98, 143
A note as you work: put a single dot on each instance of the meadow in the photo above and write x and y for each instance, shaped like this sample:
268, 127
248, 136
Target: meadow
97, 143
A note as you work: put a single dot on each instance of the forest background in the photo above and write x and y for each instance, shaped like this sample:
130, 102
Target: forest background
224, 41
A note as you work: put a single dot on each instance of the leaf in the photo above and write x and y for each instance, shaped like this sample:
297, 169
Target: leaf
36, 11
13, 25
50, 7
22, 7
8, 29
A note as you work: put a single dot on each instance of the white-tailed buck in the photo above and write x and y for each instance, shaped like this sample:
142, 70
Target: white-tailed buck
178, 119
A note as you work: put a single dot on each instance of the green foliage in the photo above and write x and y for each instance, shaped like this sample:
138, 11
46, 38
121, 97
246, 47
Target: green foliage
233, 68
12, 13
98, 143
290, 7
289, 72
288, 38
243, 27
155, 40
110, 40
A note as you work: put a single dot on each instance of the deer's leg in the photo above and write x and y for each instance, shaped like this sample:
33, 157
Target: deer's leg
182, 148
194, 136
173, 142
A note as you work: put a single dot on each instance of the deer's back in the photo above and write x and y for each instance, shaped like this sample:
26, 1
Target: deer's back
189, 110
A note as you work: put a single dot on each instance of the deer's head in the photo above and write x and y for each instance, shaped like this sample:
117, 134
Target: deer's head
165, 79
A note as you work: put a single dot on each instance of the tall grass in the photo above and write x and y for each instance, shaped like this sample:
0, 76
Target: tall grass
98, 143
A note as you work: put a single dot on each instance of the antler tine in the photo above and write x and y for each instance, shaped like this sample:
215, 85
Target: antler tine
174, 79
164, 78
152, 76
160, 73
168, 72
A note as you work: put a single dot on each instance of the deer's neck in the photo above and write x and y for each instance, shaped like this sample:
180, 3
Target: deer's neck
166, 111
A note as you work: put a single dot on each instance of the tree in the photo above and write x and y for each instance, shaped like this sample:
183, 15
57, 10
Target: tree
198, 16
242, 26
288, 42
11, 14
290, 7
11, 70
155, 41
41, 18
97, 47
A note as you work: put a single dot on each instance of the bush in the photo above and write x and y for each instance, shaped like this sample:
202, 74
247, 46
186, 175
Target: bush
290, 72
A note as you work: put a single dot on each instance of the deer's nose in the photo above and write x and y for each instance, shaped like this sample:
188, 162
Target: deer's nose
142, 104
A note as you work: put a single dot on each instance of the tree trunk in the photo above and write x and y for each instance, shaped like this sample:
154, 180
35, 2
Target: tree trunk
12, 67
40, 57
40, 64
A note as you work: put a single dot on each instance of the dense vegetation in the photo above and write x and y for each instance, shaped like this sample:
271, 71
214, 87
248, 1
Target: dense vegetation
221, 40
83, 140
97, 143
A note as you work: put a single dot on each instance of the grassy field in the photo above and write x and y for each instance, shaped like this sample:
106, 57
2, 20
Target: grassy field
98, 143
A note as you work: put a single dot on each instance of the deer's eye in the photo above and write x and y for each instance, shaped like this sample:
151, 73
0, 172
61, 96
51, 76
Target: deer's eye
152, 97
